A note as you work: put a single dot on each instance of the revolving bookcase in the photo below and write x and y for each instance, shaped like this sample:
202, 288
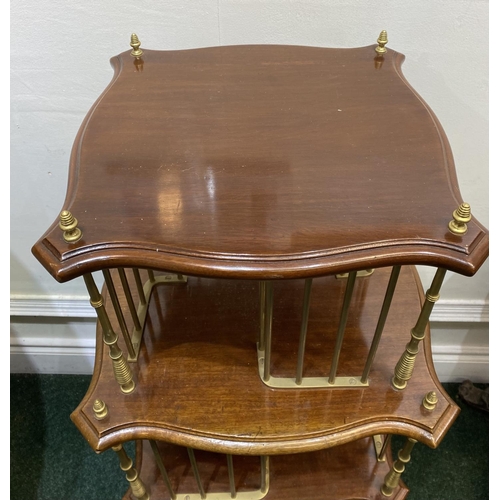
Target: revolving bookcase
258, 213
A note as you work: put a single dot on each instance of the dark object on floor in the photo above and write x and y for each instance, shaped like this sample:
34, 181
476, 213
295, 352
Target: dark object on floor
478, 398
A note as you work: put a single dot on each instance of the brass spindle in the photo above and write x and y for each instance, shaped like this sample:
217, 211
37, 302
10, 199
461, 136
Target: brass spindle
262, 314
381, 444
342, 324
264, 474
230, 469
151, 276
405, 365
126, 465
161, 466
130, 300
118, 311
121, 369
196, 472
268, 330
392, 478
381, 321
140, 287
303, 330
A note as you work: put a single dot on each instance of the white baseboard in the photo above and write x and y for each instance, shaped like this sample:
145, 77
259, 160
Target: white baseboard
57, 336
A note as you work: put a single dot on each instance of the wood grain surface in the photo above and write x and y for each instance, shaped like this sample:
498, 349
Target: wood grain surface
261, 162
197, 372
322, 475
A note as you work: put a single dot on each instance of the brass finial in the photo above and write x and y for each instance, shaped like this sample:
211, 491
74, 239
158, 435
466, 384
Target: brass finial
68, 224
461, 216
430, 401
135, 44
382, 40
100, 409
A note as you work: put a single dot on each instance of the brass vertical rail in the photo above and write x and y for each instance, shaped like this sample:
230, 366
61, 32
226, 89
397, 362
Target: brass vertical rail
303, 330
136, 485
405, 365
196, 472
118, 311
268, 330
264, 466
398, 467
262, 314
161, 466
140, 287
151, 276
230, 469
383, 451
130, 300
121, 369
342, 324
381, 321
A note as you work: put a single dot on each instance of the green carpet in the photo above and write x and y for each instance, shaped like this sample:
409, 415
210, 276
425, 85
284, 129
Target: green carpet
50, 460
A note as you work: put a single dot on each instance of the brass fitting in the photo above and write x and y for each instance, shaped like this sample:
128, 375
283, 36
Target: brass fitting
461, 216
68, 223
135, 44
382, 40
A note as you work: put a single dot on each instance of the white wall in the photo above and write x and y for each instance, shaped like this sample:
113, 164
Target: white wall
60, 64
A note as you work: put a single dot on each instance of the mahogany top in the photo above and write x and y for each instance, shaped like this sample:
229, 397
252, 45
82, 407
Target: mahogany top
261, 162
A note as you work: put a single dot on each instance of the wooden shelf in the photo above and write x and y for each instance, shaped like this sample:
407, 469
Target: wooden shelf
261, 162
321, 475
197, 373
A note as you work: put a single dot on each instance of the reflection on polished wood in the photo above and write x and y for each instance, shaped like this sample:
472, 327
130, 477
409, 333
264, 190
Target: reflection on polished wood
198, 382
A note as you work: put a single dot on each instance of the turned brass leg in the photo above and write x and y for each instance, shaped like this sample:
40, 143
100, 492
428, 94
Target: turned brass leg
404, 367
121, 369
136, 485
392, 478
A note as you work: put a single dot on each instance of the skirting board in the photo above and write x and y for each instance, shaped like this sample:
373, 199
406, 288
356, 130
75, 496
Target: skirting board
56, 336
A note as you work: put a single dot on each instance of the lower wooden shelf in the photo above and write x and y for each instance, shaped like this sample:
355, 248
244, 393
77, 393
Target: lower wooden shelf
197, 375
347, 472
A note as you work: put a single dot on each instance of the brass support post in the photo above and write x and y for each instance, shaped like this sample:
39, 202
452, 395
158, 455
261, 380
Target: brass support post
381, 443
264, 474
392, 478
268, 330
130, 300
262, 314
121, 369
159, 463
381, 321
342, 324
230, 469
151, 276
139, 285
196, 472
405, 365
137, 486
303, 331
118, 311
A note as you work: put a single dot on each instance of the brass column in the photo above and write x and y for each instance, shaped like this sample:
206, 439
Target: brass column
405, 365
121, 369
136, 485
392, 478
